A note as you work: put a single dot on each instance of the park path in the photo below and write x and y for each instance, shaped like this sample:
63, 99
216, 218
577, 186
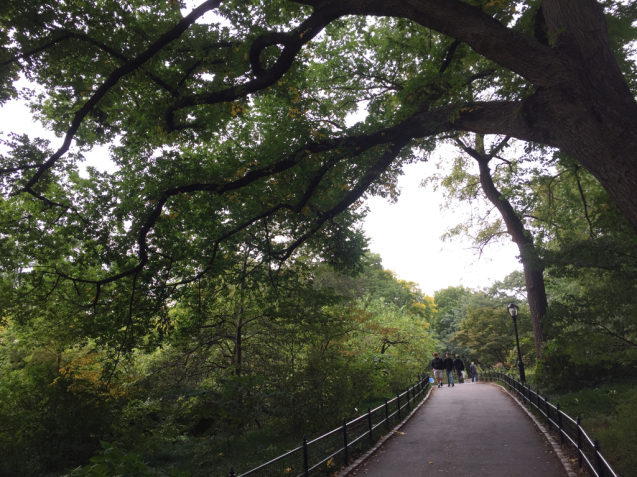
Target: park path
472, 429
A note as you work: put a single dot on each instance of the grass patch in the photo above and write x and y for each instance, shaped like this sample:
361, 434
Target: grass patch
609, 413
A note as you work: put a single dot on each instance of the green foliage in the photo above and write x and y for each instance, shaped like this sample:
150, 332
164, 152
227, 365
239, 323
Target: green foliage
52, 412
180, 297
591, 278
114, 461
609, 413
258, 352
476, 325
489, 333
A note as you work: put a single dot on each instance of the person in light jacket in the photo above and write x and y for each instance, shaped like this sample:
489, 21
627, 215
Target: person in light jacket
474, 373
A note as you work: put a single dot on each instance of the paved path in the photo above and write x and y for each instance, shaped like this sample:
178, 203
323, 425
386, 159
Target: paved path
468, 430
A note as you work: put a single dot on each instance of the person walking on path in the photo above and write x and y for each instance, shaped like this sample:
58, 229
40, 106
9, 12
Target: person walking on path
474, 373
459, 365
449, 369
438, 366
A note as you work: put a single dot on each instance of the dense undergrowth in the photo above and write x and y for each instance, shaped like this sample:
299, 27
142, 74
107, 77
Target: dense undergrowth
244, 368
609, 413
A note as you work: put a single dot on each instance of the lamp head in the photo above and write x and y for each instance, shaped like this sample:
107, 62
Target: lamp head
513, 310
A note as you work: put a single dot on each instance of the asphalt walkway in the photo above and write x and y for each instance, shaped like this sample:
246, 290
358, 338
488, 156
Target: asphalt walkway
472, 429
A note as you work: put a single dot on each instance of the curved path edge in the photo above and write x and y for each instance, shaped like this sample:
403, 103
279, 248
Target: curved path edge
354, 465
557, 448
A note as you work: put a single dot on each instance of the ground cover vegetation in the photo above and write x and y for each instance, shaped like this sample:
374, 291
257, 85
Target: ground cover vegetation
218, 277
608, 412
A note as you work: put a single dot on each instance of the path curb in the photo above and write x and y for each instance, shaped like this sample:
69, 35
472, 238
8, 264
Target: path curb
568, 467
354, 465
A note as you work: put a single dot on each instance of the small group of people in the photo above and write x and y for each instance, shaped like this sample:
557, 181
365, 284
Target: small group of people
447, 366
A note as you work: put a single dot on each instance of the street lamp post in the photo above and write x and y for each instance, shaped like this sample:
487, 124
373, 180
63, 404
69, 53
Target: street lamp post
513, 311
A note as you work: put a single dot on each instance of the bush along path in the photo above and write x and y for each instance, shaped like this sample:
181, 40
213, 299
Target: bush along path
339, 447
569, 429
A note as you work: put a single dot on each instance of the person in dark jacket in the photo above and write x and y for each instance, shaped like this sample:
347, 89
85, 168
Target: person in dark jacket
459, 365
474, 373
449, 369
438, 366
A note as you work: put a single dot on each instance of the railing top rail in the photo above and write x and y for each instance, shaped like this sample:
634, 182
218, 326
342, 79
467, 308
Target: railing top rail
327, 434
590, 441
608, 467
568, 417
359, 418
251, 471
379, 407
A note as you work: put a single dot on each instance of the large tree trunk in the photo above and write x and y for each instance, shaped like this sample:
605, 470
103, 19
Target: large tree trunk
533, 269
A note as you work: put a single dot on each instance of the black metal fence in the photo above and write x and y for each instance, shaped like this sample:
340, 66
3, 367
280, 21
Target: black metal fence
337, 447
569, 429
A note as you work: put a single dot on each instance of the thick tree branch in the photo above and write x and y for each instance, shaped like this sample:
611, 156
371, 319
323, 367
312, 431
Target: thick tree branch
35, 51
520, 53
292, 41
112, 80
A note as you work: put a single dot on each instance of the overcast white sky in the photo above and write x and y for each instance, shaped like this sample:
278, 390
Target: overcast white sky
406, 234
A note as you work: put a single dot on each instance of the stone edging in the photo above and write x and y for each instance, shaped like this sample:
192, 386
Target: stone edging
348, 470
547, 435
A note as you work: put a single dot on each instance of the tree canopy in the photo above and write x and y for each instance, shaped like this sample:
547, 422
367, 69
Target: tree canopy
227, 122
219, 274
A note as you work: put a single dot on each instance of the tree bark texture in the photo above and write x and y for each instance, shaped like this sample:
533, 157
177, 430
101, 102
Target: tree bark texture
533, 269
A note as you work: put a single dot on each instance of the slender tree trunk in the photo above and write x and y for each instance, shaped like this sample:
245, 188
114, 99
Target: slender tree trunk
238, 316
533, 269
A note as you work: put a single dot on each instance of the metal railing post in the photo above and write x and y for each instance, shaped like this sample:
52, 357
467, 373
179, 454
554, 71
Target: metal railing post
306, 464
527, 392
408, 406
559, 423
579, 442
369, 422
398, 396
387, 413
345, 441
598, 459
548, 411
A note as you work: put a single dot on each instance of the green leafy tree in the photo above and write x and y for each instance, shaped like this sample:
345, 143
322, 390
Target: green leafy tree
476, 325
230, 129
